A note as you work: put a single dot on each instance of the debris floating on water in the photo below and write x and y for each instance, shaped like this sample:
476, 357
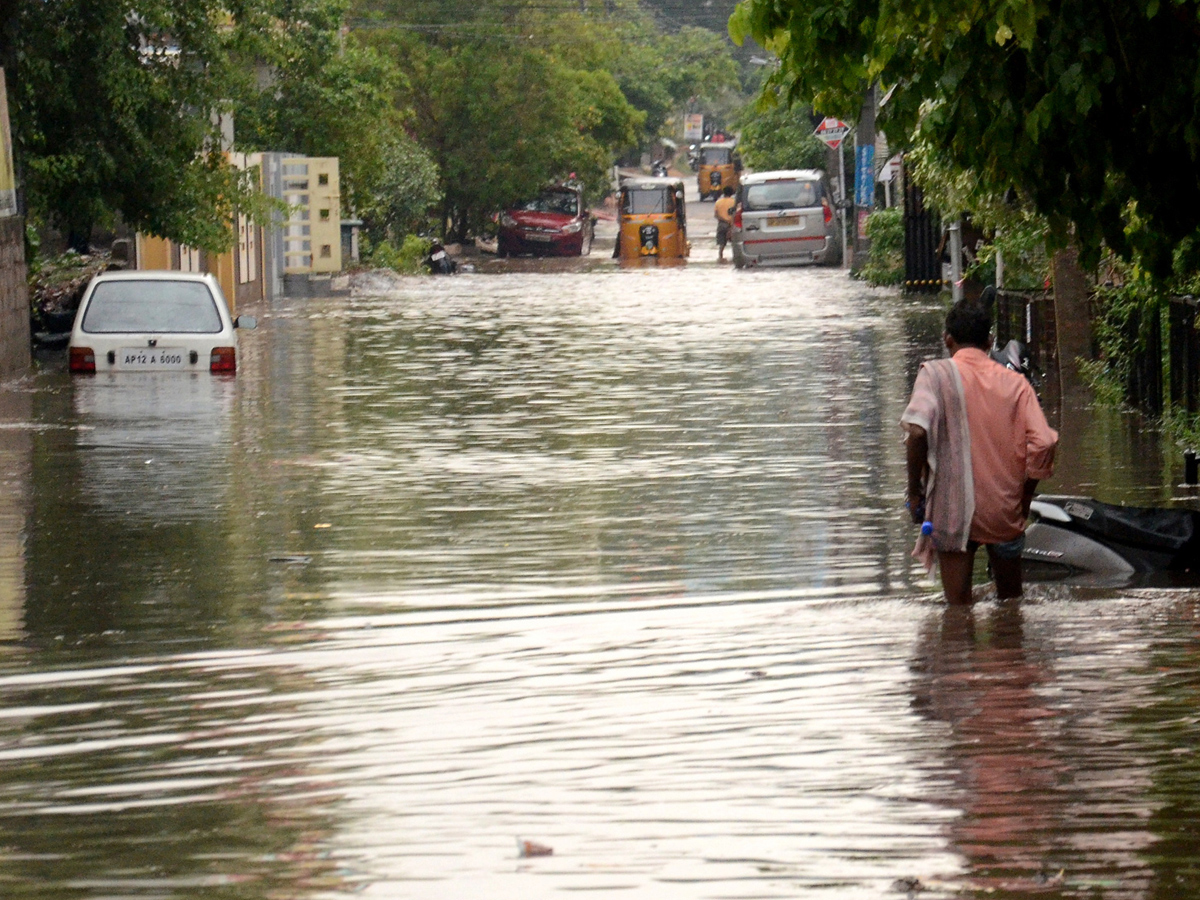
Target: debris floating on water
533, 848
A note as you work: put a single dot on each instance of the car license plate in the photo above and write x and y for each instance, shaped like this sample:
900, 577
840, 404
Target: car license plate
782, 221
151, 358
544, 238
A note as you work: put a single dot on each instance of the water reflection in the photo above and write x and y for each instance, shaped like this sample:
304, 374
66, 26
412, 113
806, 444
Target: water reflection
978, 678
133, 501
612, 560
182, 777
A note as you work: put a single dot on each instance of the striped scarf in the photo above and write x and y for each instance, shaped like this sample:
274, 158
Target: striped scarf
939, 407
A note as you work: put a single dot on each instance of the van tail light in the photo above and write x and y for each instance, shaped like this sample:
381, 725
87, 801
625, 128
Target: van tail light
82, 361
223, 359
828, 210
737, 218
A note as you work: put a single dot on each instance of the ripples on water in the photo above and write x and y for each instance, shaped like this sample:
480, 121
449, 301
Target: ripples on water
610, 562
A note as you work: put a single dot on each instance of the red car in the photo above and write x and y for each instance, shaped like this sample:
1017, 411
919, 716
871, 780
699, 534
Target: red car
555, 223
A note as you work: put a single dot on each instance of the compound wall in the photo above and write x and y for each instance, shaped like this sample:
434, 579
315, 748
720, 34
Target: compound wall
14, 299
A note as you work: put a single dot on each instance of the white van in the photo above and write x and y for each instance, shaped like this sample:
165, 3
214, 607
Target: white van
785, 218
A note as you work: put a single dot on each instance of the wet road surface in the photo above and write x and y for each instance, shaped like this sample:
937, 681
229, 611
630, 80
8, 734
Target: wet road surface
609, 560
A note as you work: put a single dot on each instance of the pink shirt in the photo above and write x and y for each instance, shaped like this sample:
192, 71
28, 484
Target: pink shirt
1010, 442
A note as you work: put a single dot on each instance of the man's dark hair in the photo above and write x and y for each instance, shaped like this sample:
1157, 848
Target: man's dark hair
970, 324
728, 192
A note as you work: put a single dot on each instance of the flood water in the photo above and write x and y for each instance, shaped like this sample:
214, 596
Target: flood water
608, 560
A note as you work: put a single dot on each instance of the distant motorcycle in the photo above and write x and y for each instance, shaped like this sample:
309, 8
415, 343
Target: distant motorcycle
439, 262
658, 169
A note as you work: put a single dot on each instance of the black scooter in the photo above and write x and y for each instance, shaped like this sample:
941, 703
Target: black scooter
439, 262
1081, 540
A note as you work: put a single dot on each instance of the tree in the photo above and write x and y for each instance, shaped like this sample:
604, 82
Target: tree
1090, 109
779, 137
661, 73
112, 113
499, 127
403, 191
325, 95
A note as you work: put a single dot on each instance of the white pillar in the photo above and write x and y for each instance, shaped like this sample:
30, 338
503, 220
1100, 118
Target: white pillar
956, 260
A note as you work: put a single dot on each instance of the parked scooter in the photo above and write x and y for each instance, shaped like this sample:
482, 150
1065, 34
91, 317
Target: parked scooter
439, 262
658, 169
1080, 539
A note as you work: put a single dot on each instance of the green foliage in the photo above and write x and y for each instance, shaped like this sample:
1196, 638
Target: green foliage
885, 262
326, 96
1123, 314
774, 135
110, 115
1082, 112
407, 259
1013, 226
501, 126
403, 191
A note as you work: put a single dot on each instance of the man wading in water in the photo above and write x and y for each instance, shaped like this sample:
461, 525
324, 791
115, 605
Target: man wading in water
977, 445
723, 211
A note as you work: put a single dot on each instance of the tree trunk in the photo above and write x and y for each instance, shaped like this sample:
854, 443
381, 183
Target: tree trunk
864, 157
1073, 322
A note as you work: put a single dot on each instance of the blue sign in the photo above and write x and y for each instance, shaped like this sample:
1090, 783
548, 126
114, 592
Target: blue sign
864, 177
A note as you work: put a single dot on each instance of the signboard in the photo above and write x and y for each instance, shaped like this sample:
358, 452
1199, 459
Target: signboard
832, 131
890, 169
8, 182
693, 128
864, 177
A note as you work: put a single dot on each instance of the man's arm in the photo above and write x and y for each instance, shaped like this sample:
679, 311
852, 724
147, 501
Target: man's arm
917, 458
1027, 495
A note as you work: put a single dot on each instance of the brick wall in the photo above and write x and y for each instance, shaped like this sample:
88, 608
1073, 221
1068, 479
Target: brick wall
14, 299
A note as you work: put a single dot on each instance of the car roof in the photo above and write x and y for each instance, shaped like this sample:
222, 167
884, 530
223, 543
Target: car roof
730, 144
784, 175
154, 275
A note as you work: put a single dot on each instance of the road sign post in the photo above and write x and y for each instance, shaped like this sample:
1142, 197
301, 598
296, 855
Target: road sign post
833, 131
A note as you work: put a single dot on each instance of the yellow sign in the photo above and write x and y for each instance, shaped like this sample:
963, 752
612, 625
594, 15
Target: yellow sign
8, 181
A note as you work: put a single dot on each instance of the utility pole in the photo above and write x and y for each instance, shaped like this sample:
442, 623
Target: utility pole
864, 174
956, 272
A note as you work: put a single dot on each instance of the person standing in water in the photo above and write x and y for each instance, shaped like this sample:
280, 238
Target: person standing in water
977, 444
723, 210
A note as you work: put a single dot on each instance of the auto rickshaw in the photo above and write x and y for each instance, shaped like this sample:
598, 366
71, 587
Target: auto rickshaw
720, 167
653, 220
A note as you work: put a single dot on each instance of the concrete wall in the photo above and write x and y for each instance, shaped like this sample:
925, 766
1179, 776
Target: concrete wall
14, 299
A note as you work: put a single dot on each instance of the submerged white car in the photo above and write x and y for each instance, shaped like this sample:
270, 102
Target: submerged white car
154, 321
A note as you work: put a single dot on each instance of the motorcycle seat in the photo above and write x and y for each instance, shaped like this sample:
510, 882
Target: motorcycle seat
1167, 530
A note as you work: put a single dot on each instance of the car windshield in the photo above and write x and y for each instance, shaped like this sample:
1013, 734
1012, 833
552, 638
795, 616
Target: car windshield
781, 195
715, 156
644, 201
563, 202
153, 306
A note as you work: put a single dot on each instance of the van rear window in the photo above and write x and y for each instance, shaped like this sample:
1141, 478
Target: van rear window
155, 306
782, 195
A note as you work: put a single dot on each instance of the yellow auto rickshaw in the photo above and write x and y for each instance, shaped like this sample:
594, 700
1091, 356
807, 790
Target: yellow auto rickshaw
719, 167
653, 220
